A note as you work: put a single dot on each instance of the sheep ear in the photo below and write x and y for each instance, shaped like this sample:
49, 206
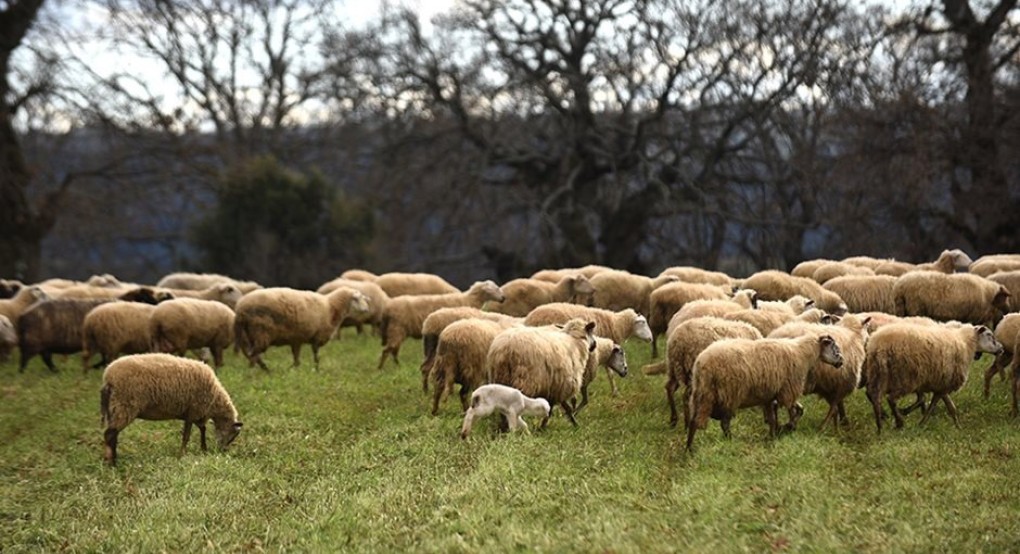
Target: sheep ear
809, 303
238, 425
825, 339
590, 327
865, 321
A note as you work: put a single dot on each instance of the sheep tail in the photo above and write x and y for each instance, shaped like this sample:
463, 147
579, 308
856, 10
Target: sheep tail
104, 403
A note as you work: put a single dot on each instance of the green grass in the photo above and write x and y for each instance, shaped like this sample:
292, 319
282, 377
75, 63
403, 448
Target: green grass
346, 458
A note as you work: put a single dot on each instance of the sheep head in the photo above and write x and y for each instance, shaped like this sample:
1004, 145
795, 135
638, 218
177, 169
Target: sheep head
830, 351
581, 284
640, 328
227, 430
986, 342
488, 291
618, 361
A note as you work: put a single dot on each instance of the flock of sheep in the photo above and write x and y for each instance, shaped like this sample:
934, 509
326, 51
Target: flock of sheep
826, 328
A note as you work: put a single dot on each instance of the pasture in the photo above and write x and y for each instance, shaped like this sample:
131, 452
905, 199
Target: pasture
346, 459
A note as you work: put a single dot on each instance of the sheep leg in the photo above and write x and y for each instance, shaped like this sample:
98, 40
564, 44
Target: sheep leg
793, 412
48, 358
612, 382
951, 408
110, 439
1014, 389
876, 405
584, 399
569, 413
185, 436
771, 418
895, 412
217, 352
671, 385
833, 415
698, 419
443, 389
842, 413
465, 396
523, 425
724, 424
990, 373
686, 394
655, 345
918, 404
295, 351
86, 356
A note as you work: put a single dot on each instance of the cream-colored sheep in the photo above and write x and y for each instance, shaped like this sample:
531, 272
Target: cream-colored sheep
161, 387
865, 261
960, 296
405, 315
776, 285
766, 321
732, 374
8, 338
115, 328
10, 287
689, 274
948, 261
524, 295
669, 299
618, 290
794, 305
1006, 332
831, 270
438, 320
865, 293
377, 301
685, 342
225, 293
413, 284
183, 324
895, 268
11, 308
545, 362
285, 316
618, 326
1010, 280
202, 281
743, 299
609, 355
508, 401
986, 266
905, 358
359, 275
830, 383
807, 267
555, 275
460, 358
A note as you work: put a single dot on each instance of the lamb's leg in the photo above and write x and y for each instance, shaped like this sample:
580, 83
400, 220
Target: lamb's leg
257, 358
442, 390
185, 436
523, 425
686, 395
569, 412
794, 412
110, 439
671, 385
612, 382
469, 418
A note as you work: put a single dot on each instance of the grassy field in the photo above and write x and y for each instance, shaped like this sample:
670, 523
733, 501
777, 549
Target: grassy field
346, 459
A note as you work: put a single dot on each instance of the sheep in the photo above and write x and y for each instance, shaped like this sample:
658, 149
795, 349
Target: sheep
12, 308
831, 270
438, 320
767, 321
546, 362
8, 338
690, 274
1010, 280
377, 300
524, 295
741, 373
555, 275
401, 284
669, 299
948, 261
776, 285
280, 315
115, 328
201, 281
895, 268
1006, 332
609, 355
460, 358
989, 265
829, 383
685, 342
54, 326
405, 315
511, 403
904, 358
224, 293
359, 275
618, 290
865, 293
185, 324
865, 261
794, 305
10, 287
161, 387
959, 296
807, 267
618, 326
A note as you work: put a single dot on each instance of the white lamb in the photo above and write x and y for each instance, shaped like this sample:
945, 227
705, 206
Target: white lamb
508, 401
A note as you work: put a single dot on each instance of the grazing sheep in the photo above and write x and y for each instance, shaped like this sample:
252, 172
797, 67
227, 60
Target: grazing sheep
359, 275
12, 308
767, 321
741, 373
54, 326
224, 293
460, 358
669, 299
945, 297
161, 387
865, 293
8, 338
831, 270
177, 326
618, 326
618, 290
10, 287
986, 266
1010, 280
511, 403
685, 342
794, 305
904, 358
524, 295
404, 316
546, 362
401, 284
377, 300
776, 285
438, 320
1006, 332
690, 274
807, 267
609, 355
202, 281
285, 316
115, 328
830, 383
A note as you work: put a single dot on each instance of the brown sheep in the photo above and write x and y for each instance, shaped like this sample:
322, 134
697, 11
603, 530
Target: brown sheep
186, 324
115, 328
404, 284
865, 293
460, 358
438, 320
